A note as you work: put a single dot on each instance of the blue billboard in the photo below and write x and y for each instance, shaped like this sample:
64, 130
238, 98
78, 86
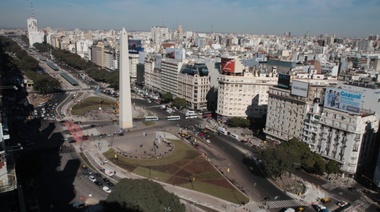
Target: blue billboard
134, 46
343, 100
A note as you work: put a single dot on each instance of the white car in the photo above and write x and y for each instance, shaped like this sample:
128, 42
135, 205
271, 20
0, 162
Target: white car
92, 178
208, 141
342, 204
106, 189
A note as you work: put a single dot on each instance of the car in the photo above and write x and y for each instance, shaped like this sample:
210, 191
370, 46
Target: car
98, 183
351, 188
106, 189
106, 180
90, 172
98, 175
84, 166
120, 131
93, 125
325, 200
342, 203
121, 134
92, 178
208, 141
111, 185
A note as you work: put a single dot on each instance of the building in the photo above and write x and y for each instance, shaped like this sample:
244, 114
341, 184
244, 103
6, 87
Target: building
194, 85
288, 107
170, 68
160, 34
97, 54
341, 130
34, 35
244, 96
152, 72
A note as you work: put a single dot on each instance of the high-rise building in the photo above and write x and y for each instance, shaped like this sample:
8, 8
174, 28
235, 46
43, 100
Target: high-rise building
34, 35
97, 54
160, 34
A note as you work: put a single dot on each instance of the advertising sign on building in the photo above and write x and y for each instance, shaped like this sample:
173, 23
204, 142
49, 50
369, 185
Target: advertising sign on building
344, 100
134, 46
283, 81
173, 53
300, 88
228, 65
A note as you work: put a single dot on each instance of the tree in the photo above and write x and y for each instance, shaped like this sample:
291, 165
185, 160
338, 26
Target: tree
45, 85
332, 167
141, 195
167, 97
238, 122
179, 103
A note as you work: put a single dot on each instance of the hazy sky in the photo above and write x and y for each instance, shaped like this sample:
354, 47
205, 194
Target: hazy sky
349, 18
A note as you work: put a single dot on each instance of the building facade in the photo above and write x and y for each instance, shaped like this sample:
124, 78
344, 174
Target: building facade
170, 69
243, 96
34, 35
193, 85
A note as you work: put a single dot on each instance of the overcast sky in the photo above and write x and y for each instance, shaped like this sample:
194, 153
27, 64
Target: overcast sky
348, 18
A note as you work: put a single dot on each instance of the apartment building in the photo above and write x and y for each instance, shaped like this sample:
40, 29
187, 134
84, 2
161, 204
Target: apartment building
97, 54
347, 138
193, 85
152, 74
245, 95
170, 68
133, 61
288, 107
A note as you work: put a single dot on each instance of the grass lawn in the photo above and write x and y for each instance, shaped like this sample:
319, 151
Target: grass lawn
92, 103
183, 167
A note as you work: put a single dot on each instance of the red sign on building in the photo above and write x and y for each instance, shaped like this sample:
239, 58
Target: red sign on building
228, 65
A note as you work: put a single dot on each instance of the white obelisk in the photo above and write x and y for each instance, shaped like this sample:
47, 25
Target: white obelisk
125, 110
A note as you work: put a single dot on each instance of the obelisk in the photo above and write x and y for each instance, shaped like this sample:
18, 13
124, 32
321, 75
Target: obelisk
125, 110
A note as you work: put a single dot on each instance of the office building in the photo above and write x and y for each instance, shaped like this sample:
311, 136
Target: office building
34, 35
194, 85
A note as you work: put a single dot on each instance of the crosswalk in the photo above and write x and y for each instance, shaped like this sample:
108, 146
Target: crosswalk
281, 204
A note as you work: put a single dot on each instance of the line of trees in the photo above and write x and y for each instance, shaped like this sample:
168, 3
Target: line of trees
20, 60
75, 61
284, 158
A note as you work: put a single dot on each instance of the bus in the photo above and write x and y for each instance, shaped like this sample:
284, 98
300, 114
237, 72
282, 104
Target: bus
173, 118
191, 116
207, 114
151, 118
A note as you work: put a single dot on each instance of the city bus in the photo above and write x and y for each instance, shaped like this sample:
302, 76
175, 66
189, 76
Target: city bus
173, 118
151, 118
207, 114
191, 116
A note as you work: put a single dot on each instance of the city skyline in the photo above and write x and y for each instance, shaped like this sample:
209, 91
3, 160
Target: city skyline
347, 18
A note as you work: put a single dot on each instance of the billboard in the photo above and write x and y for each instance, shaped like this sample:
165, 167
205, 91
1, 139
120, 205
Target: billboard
173, 53
227, 65
283, 81
300, 88
344, 100
134, 46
